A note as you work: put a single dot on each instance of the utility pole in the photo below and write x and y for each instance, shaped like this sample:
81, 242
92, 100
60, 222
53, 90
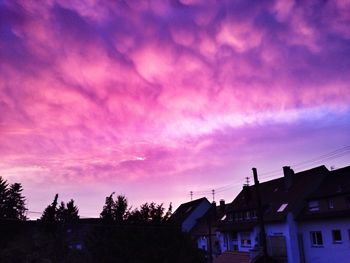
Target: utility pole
211, 217
213, 193
191, 194
260, 215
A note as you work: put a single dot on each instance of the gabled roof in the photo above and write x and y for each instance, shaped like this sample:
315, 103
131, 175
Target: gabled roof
214, 214
336, 183
277, 200
185, 210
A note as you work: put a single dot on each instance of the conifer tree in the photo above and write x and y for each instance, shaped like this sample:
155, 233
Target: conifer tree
72, 212
50, 212
67, 213
108, 210
15, 203
3, 196
61, 212
121, 207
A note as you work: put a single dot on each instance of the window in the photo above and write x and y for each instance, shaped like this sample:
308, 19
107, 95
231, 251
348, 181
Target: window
282, 207
247, 215
316, 238
336, 234
330, 204
245, 239
239, 216
253, 214
314, 206
236, 217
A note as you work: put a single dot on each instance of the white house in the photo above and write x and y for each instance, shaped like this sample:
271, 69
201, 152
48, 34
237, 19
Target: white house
188, 214
324, 223
306, 219
282, 201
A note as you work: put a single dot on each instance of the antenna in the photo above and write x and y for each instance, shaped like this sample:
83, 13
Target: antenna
213, 193
246, 181
191, 194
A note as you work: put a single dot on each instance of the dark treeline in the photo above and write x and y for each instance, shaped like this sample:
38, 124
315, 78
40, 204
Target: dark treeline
12, 202
120, 234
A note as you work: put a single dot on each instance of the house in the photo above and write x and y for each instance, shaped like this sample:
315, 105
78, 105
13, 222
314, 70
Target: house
206, 229
324, 223
282, 200
187, 214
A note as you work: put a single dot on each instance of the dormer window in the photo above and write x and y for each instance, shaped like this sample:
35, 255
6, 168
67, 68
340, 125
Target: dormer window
253, 214
314, 206
330, 204
247, 215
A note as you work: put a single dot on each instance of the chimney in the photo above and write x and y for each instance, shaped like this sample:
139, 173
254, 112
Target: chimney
222, 205
288, 177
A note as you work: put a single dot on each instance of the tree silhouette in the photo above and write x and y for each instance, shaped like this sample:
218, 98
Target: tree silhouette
121, 208
115, 211
149, 213
72, 212
168, 213
67, 213
15, 203
3, 196
50, 212
107, 214
61, 212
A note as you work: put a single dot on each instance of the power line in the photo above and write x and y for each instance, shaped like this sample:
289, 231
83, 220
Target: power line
335, 154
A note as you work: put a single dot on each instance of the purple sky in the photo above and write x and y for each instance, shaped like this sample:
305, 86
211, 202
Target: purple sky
154, 99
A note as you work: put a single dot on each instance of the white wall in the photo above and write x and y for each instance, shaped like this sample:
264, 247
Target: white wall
330, 252
289, 230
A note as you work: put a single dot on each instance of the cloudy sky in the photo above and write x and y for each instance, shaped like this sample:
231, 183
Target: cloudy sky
154, 99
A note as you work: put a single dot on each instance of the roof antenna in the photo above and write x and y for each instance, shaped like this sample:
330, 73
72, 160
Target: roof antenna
191, 194
246, 181
213, 193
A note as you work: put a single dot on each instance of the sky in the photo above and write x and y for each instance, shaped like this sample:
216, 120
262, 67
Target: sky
154, 99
